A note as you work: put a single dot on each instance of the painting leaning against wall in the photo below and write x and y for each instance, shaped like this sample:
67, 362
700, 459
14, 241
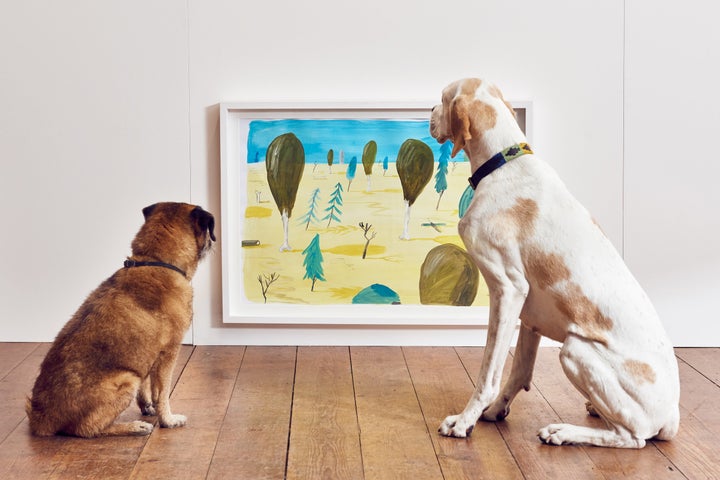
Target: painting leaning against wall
343, 211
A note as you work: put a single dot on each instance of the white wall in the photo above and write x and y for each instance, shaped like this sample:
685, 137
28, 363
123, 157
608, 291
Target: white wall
106, 109
672, 165
93, 127
569, 65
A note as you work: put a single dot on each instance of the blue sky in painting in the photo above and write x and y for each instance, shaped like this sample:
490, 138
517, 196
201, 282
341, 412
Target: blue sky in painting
348, 136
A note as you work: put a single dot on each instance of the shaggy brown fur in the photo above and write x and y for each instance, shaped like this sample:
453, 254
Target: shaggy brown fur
123, 341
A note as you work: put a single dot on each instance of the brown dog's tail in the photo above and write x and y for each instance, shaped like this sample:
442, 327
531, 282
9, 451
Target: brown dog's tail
40, 424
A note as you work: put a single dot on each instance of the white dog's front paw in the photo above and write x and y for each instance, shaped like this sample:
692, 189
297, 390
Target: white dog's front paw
555, 434
456, 426
172, 421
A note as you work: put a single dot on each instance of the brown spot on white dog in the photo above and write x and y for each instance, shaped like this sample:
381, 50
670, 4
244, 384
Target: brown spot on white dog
469, 118
641, 371
495, 92
469, 86
524, 213
584, 312
548, 269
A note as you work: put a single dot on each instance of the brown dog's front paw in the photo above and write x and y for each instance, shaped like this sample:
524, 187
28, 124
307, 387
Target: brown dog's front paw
148, 410
172, 421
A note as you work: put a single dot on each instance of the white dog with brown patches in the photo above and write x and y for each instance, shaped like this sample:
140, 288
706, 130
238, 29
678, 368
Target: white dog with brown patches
546, 262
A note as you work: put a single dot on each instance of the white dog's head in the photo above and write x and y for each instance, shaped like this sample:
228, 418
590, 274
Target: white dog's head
470, 108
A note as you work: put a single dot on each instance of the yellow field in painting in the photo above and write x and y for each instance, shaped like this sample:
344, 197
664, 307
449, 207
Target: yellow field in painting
390, 261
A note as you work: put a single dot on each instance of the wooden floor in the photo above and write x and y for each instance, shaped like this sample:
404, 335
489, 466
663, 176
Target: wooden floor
338, 412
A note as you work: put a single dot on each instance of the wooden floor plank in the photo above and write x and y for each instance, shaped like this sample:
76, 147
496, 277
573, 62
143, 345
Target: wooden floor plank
395, 441
700, 397
324, 435
648, 463
66, 457
253, 440
694, 449
334, 412
704, 360
202, 394
443, 388
12, 354
529, 412
17, 383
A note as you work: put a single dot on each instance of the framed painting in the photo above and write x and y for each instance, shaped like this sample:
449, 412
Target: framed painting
344, 214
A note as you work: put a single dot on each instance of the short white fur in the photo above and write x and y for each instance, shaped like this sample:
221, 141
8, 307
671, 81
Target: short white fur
547, 262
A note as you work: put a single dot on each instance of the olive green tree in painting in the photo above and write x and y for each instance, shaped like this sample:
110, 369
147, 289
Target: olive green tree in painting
415, 163
368, 160
313, 262
285, 162
448, 276
330, 158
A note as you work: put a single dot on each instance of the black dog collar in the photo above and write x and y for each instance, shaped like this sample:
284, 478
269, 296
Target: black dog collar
133, 263
497, 161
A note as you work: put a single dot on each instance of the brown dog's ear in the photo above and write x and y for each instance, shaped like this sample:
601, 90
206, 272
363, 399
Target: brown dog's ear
203, 222
459, 123
147, 211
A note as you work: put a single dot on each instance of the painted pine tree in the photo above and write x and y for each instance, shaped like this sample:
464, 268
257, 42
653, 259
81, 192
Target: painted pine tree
441, 175
350, 172
334, 204
313, 262
310, 216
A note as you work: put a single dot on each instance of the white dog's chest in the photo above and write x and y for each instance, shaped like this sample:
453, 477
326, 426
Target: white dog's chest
525, 223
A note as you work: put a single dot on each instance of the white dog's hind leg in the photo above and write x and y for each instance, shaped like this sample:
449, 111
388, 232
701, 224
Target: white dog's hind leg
564, 433
595, 377
520, 375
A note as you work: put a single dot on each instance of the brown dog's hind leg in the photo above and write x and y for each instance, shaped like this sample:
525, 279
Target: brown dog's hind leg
104, 404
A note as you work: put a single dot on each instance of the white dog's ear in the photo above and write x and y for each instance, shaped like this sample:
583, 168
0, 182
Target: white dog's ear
459, 123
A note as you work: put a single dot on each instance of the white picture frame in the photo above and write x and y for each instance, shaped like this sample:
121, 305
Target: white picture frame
237, 309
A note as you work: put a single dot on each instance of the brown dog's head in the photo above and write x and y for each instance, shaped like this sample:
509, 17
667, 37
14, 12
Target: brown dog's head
175, 233
469, 108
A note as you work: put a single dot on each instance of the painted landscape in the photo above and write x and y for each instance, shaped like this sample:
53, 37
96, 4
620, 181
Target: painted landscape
354, 211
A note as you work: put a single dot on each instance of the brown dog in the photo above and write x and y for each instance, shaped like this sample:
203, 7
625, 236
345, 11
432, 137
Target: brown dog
122, 342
